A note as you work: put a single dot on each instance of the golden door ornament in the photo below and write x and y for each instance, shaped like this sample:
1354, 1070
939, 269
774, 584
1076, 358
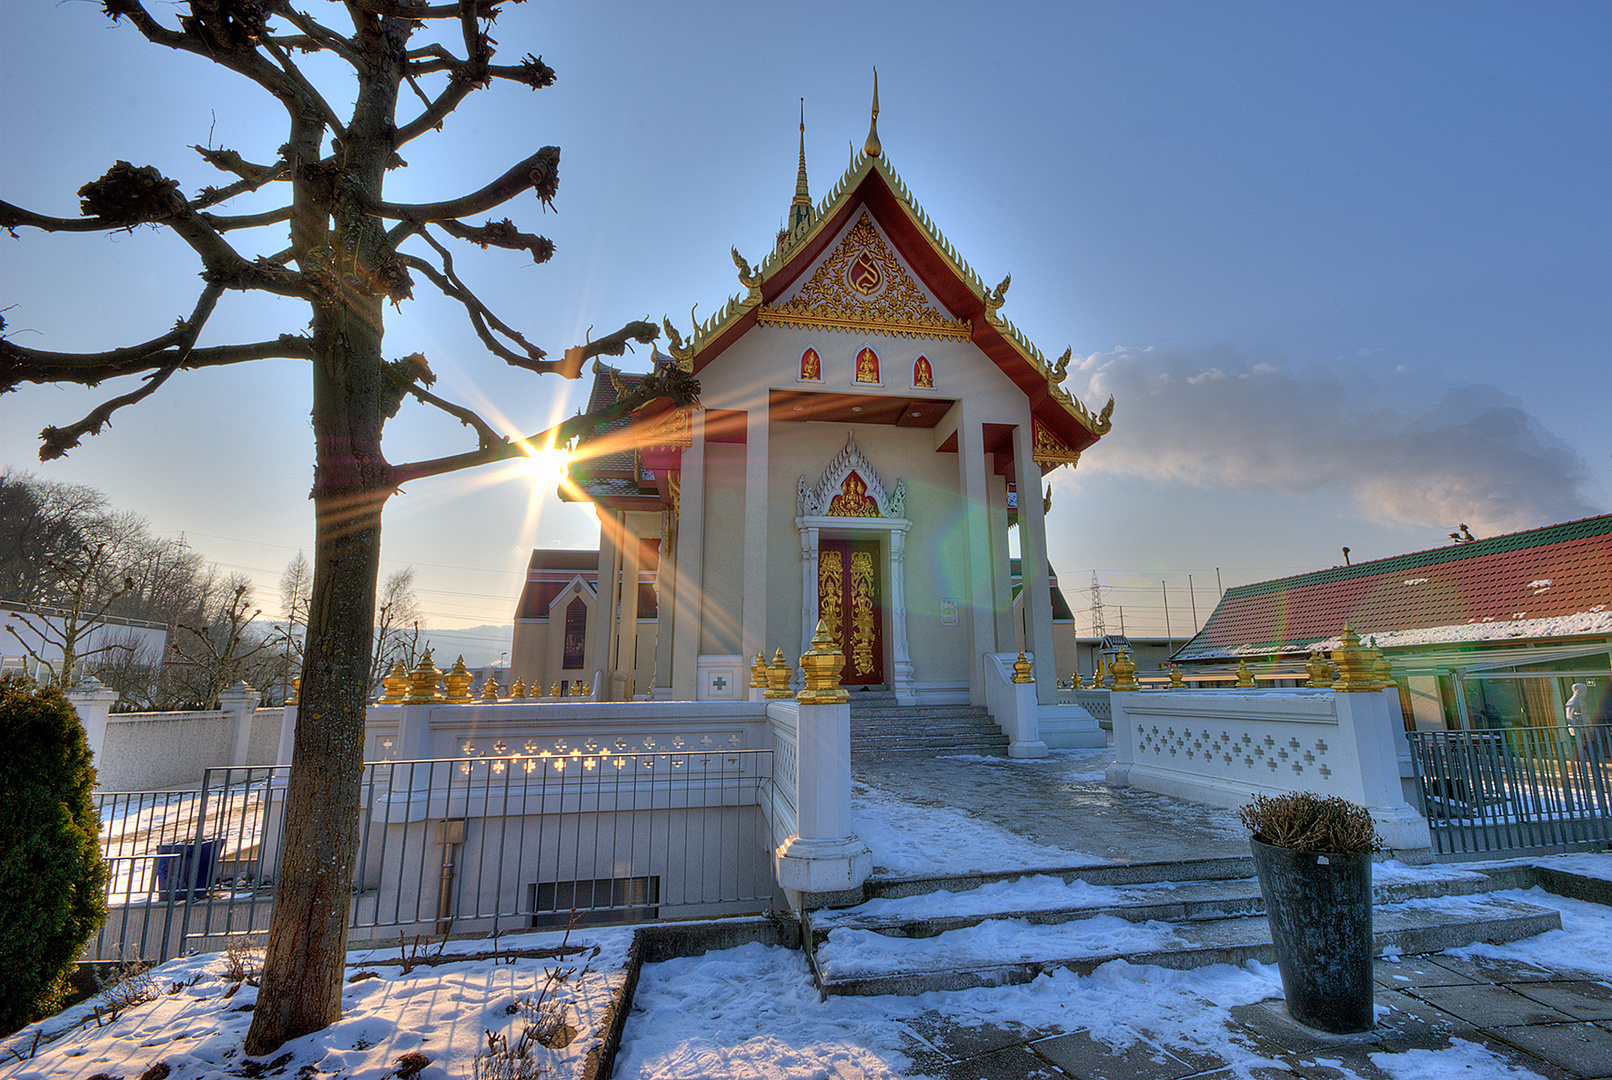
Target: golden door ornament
853, 499
830, 577
862, 624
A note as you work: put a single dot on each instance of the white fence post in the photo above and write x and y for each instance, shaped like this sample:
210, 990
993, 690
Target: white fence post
240, 701
1370, 721
92, 700
825, 863
1010, 694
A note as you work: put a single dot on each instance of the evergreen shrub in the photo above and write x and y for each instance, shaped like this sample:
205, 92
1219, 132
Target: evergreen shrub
52, 878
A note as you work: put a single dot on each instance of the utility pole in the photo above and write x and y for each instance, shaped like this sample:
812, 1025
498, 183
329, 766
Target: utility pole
1193, 596
1169, 637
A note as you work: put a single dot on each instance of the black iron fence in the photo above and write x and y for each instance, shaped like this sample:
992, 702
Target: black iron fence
484, 844
1521, 789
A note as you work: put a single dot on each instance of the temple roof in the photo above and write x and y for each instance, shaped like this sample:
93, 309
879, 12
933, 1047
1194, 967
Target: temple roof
1549, 583
870, 182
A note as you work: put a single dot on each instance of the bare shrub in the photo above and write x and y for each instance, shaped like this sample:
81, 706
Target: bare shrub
1304, 821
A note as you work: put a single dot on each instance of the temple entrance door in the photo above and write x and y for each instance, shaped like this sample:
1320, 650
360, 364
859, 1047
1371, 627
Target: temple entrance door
850, 603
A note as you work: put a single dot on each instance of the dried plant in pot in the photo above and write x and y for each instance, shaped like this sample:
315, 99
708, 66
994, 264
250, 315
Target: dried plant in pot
1313, 857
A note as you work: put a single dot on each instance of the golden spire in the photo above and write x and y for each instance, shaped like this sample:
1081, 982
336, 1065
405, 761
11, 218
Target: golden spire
872, 148
800, 208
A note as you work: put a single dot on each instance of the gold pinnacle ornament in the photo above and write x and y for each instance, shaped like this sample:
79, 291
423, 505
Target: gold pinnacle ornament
518, 691
396, 684
822, 664
1381, 669
1124, 673
758, 671
554, 691
1177, 681
1354, 665
778, 676
1320, 671
296, 692
578, 689
489, 689
1022, 670
458, 682
1245, 677
423, 681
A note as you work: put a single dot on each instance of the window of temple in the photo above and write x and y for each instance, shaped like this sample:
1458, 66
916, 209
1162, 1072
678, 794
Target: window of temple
576, 634
811, 367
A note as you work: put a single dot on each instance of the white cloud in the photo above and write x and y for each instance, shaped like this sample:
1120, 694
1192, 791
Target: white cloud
1212, 418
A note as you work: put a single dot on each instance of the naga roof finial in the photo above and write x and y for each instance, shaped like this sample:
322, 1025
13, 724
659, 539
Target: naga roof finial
872, 148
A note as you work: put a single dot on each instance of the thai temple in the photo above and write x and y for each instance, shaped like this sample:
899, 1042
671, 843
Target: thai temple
870, 428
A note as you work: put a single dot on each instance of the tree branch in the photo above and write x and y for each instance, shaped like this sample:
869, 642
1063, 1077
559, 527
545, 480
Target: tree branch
406, 375
664, 382
307, 88
540, 171
18, 364
325, 36
451, 287
501, 234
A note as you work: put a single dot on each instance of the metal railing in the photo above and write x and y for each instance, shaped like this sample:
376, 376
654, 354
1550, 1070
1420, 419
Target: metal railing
1515, 789
484, 844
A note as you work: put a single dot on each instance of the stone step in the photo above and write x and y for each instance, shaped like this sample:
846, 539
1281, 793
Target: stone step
908, 713
929, 742
1064, 896
961, 727
997, 952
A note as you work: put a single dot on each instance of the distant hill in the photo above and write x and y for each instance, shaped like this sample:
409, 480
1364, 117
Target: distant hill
479, 645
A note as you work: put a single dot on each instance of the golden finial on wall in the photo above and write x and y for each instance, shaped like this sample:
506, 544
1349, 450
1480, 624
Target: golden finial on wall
758, 671
778, 676
518, 691
458, 682
489, 688
1177, 681
822, 664
396, 684
1245, 677
554, 691
1023, 672
423, 681
1125, 673
1354, 664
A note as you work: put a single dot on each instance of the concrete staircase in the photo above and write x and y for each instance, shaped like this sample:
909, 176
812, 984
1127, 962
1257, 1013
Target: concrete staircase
880, 727
919, 934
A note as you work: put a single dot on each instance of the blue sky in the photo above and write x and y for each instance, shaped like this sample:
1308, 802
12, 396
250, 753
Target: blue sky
1347, 268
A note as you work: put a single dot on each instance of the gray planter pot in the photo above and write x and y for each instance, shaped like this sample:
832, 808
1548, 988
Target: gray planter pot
1319, 908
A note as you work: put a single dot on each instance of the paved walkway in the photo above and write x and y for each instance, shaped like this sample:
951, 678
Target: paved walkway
1553, 1024
1550, 1025
1062, 801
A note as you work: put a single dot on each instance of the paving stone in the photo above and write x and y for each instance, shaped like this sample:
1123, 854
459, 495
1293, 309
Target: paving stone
1270, 1021
1582, 1000
1490, 1006
1083, 1057
1409, 1023
1416, 971
1010, 1063
1583, 1049
958, 1042
1486, 969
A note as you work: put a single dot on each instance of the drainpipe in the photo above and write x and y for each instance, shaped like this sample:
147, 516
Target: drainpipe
450, 834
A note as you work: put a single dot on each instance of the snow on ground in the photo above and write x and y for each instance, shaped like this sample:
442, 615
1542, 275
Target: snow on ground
1038, 892
849, 952
196, 1022
910, 840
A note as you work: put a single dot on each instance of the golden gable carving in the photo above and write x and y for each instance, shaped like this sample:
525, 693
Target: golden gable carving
863, 286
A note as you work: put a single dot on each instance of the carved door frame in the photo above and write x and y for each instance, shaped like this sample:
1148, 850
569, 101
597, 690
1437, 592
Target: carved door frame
890, 537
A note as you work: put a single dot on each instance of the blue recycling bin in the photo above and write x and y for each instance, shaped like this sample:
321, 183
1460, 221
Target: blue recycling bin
177, 863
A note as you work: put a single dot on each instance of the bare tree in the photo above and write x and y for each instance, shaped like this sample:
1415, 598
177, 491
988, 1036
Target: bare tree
296, 592
217, 652
57, 638
397, 626
342, 260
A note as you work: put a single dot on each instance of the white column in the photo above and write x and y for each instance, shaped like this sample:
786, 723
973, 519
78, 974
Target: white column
981, 609
825, 863
665, 606
690, 563
1370, 724
93, 700
624, 653
1001, 564
757, 501
1033, 565
241, 701
601, 627
808, 586
900, 652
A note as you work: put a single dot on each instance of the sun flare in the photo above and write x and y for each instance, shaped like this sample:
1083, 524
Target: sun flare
545, 468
